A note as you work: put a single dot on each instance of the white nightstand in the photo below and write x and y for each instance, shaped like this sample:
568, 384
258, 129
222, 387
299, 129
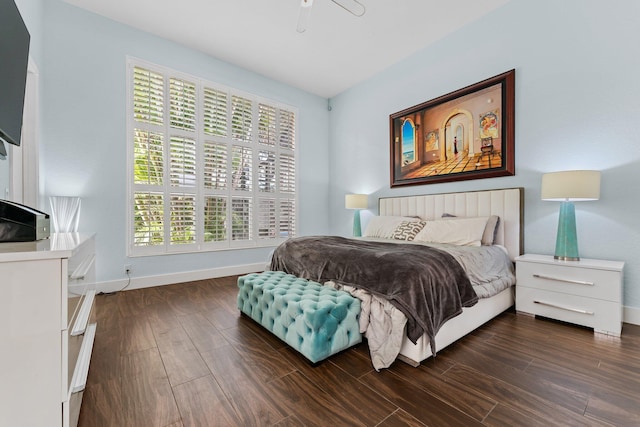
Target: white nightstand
586, 292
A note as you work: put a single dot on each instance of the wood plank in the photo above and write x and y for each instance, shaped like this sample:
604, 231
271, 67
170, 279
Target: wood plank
400, 419
268, 363
130, 302
527, 403
290, 421
102, 404
182, 361
224, 318
538, 386
417, 402
354, 361
586, 381
505, 415
268, 337
468, 400
254, 402
202, 403
147, 396
618, 408
357, 399
135, 334
202, 333
312, 406
106, 310
162, 317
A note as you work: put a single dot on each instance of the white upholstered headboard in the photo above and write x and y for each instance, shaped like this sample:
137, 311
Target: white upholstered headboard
506, 203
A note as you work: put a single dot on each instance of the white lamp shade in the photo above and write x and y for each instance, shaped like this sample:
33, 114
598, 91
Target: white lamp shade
578, 185
65, 213
356, 201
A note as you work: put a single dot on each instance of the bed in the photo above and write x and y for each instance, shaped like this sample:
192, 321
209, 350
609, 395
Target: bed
399, 323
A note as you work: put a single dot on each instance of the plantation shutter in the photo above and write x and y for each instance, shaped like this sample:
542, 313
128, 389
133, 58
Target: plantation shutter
287, 218
266, 218
287, 173
241, 118
287, 130
183, 226
241, 218
148, 158
149, 212
183, 104
215, 218
266, 124
210, 167
215, 112
148, 96
215, 166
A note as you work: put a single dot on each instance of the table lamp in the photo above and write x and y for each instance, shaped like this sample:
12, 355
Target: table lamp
357, 202
65, 213
568, 187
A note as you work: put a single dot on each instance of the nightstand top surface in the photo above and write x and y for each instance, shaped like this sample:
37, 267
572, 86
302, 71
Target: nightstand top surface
583, 263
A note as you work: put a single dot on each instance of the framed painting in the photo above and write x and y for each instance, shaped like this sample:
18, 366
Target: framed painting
466, 134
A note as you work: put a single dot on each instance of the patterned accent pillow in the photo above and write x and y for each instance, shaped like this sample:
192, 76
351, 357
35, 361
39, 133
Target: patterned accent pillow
407, 230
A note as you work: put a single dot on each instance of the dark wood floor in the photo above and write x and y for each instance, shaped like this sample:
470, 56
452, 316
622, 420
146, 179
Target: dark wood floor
181, 355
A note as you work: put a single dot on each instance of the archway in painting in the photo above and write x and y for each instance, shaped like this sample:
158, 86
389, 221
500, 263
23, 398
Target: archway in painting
408, 142
458, 134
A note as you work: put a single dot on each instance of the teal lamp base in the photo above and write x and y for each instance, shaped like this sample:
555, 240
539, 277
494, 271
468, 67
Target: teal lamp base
357, 230
567, 239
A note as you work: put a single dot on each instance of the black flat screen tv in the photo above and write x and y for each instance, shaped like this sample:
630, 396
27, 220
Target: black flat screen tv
14, 59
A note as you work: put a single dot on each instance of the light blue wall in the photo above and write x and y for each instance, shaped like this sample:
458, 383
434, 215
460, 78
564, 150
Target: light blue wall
84, 128
577, 107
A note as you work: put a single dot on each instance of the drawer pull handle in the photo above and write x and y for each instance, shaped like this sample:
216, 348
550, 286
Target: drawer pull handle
81, 271
575, 310
81, 371
83, 315
575, 282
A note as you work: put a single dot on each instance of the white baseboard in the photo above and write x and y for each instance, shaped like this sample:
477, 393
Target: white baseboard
632, 315
169, 279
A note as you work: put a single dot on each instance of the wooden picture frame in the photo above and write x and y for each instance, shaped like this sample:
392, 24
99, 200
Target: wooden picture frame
466, 134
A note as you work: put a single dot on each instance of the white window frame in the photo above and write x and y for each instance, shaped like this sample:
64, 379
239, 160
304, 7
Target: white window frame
200, 245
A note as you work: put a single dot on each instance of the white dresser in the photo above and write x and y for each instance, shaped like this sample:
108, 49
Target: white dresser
47, 333
586, 292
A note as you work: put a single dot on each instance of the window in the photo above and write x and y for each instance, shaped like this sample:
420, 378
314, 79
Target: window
209, 167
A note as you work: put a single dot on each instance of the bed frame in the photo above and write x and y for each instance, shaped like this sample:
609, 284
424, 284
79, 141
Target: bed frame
508, 205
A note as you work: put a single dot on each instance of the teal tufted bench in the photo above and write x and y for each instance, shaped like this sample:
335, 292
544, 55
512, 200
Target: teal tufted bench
315, 320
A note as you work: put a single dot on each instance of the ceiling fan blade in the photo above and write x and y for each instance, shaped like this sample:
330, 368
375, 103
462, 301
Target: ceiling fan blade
352, 6
304, 15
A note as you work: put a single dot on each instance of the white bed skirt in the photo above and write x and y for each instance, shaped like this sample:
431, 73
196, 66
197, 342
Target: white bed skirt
454, 329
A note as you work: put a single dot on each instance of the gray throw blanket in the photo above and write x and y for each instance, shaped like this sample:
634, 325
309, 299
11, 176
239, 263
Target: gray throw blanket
428, 285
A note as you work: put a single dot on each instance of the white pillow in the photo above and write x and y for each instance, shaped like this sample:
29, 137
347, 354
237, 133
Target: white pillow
458, 231
385, 226
490, 230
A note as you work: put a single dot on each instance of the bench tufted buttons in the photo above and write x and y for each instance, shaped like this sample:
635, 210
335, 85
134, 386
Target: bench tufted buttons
315, 320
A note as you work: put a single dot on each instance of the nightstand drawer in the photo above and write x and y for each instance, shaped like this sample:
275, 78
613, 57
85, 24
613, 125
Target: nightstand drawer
592, 283
603, 316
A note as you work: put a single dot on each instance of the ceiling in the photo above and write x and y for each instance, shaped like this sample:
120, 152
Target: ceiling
337, 51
